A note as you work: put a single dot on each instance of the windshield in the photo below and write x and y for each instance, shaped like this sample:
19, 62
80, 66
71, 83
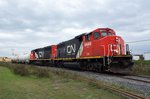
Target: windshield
110, 34
103, 33
106, 33
96, 35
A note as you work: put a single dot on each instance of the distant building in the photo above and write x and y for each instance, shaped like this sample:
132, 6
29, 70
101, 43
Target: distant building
147, 56
5, 59
138, 57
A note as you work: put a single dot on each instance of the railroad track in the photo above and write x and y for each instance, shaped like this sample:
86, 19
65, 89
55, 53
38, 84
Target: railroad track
144, 79
147, 77
125, 93
139, 78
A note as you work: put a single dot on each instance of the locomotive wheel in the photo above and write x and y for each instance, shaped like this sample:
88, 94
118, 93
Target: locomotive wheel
100, 67
83, 66
60, 64
88, 66
97, 67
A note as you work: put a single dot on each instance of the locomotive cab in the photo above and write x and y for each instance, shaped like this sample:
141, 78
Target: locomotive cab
103, 42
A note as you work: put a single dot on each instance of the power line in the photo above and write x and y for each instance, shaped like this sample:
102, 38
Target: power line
138, 41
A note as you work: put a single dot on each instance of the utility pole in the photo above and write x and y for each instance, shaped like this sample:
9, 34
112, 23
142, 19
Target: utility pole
13, 54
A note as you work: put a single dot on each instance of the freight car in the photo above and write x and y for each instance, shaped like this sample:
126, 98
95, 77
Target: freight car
99, 50
24, 58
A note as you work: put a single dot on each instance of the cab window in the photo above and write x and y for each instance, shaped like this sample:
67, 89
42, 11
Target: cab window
87, 37
103, 33
109, 34
96, 35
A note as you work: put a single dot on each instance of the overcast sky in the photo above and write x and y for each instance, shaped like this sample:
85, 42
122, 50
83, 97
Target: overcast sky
29, 24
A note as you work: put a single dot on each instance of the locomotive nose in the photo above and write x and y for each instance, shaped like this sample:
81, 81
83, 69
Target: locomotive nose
117, 46
117, 39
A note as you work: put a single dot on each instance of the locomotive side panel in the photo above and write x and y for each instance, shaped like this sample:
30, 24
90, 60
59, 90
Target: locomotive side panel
39, 53
53, 51
87, 46
69, 49
47, 52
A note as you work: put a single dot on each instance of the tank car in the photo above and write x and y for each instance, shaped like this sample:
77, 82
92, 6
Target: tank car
25, 58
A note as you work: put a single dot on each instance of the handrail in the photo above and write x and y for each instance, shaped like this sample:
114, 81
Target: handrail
104, 54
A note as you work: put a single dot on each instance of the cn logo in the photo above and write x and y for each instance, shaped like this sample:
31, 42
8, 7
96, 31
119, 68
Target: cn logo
71, 48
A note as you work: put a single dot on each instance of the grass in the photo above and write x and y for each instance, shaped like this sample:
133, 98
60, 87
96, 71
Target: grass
141, 68
54, 86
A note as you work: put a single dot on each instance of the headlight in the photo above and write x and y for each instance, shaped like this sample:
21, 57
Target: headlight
117, 39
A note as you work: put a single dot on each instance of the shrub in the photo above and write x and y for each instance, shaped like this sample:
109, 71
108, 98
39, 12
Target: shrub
141, 68
40, 72
21, 70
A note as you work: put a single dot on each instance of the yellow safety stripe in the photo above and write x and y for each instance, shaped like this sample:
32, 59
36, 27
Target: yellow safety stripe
79, 58
84, 57
123, 56
40, 59
72, 58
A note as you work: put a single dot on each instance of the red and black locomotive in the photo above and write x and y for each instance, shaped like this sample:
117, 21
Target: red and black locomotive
100, 50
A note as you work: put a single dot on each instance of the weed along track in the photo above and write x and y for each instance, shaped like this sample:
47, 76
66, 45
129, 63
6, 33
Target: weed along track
92, 79
59, 84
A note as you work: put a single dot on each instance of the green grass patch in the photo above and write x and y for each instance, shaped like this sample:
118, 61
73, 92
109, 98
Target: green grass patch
37, 85
141, 68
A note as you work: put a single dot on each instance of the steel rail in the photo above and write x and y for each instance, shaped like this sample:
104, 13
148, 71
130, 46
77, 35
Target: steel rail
126, 93
142, 76
145, 81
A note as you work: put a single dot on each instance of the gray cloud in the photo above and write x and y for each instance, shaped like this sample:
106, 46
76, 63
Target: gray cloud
27, 24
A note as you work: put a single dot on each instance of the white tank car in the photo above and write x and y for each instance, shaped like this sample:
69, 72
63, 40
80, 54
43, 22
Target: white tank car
14, 59
25, 58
